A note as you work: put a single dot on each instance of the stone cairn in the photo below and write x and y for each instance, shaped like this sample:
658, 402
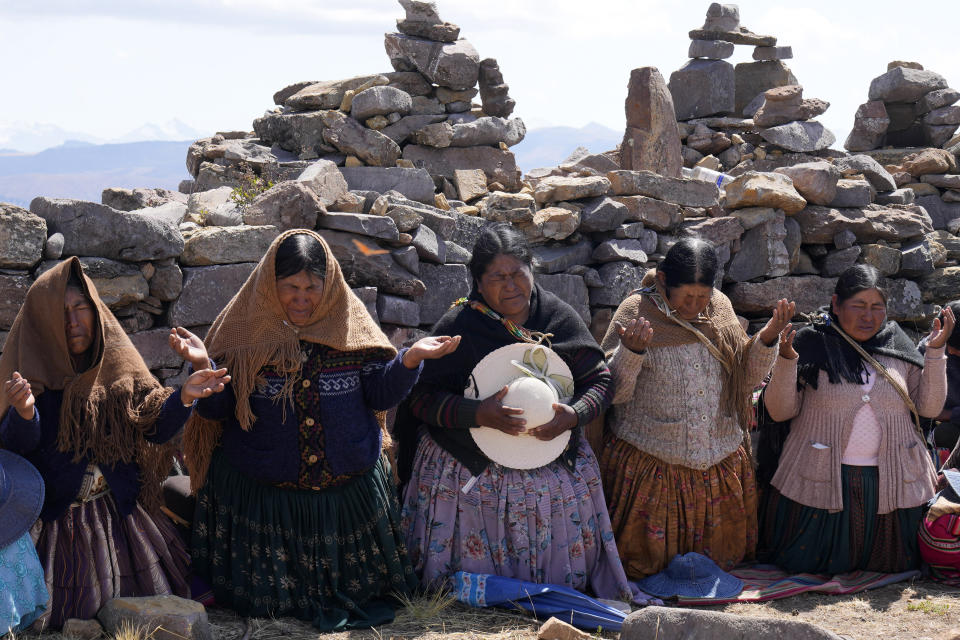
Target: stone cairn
402, 203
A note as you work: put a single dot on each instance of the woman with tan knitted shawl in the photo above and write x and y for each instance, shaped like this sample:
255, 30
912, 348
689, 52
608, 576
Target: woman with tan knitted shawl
81, 405
296, 512
676, 466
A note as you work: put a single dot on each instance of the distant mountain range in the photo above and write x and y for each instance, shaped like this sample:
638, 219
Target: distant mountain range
31, 137
82, 169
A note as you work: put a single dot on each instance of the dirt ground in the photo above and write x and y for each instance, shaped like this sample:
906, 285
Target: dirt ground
918, 610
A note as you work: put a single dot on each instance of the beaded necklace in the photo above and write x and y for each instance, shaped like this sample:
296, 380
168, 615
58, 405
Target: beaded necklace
520, 333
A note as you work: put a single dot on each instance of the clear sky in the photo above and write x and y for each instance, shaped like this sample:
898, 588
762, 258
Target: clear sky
105, 67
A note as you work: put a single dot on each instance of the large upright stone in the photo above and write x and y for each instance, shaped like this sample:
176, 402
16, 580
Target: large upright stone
801, 137
415, 184
206, 291
753, 78
702, 88
455, 65
444, 283
499, 165
870, 124
901, 84
22, 235
91, 229
722, 17
352, 138
652, 140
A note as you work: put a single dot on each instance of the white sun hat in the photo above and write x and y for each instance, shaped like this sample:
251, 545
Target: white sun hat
536, 378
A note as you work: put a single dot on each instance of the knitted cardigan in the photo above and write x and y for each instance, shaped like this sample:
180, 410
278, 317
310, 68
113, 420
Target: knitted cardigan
667, 402
809, 472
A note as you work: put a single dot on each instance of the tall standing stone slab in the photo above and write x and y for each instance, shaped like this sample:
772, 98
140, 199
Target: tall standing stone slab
703, 88
753, 78
652, 139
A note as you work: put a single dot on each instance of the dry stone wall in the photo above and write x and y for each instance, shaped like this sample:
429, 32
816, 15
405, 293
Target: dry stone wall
401, 170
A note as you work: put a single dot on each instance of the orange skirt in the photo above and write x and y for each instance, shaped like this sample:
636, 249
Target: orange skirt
659, 510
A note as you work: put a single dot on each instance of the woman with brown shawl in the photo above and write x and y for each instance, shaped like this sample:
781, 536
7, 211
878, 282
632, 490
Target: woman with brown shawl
296, 512
676, 468
80, 404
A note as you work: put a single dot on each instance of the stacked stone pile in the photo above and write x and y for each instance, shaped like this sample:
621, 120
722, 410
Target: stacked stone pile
908, 106
421, 115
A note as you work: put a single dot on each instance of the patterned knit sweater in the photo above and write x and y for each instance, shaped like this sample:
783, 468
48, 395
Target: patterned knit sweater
667, 402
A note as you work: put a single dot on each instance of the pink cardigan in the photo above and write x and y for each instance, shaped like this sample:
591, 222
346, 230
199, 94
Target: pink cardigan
822, 418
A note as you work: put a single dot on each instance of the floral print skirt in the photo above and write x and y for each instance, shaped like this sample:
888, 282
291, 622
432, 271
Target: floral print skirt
23, 593
333, 557
660, 509
546, 525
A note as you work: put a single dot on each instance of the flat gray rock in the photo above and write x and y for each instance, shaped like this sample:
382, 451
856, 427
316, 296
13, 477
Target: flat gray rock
681, 191
415, 184
602, 214
619, 279
206, 291
397, 310
819, 225
852, 193
873, 171
352, 138
22, 236
936, 99
815, 181
380, 101
655, 214
710, 49
326, 181
324, 95
762, 252
569, 288
617, 249
838, 261
286, 205
362, 269
800, 137
382, 227
489, 131
916, 259
401, 130
901, 84
499, 165
554, 259
428, 246
227, 245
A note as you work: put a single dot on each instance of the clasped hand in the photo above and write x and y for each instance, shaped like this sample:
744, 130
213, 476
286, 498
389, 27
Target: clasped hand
494, 414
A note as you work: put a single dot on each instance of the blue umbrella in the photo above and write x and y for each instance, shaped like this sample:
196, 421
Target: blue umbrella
543, 600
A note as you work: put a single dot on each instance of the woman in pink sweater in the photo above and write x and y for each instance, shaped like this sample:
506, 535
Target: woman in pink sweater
854, 472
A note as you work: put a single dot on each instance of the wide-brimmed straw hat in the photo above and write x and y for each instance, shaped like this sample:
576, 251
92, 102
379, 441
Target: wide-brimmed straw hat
692, 575
21, 496
537, 378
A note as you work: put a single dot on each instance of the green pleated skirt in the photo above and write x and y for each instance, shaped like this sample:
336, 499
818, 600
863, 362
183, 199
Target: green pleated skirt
334, 557
802, 539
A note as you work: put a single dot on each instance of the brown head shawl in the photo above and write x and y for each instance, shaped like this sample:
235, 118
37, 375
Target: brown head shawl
718, 323
106, 408
252, 331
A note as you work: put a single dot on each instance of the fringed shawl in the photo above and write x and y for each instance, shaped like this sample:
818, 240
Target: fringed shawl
252, 331
107, 408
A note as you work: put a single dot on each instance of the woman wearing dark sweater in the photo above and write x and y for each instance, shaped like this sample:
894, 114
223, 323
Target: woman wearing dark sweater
296, 512
80, 404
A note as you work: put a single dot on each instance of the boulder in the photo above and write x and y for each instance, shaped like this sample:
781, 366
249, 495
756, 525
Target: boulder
916, 259
801, 137
470, 183
762, 252
326, 181
456, 254
428, 246
53, 249
702, 88
154, 346
897, 196
227, 245
943, 116
449, 64
166, 617
13, 292
166, 282
663, 623
553, 259
936, 99
722, 17
652, 140
206, 291
352, 138
718, 231
905, 302
91, 229
754, 189
682, 191
499, 165
885, 259
751, 217
870, 124
286, 205
602, 214
816, 182
139, 198
754, 299
405, 219
326, 95
619, 279
489, 131
710, 49
437, 135
635, 231
403, 128
838, 261
901, 84
78, 629
616, 249
397, 310
444, 283
852, 193
563, 188
941, 286
772, 53
382, 227
819, 225
415, 184
516, 208
569, 288
873, 171
494, 92
370, 270
929, 161
22, 235
655, 214
553, 223
943, 181
753, 78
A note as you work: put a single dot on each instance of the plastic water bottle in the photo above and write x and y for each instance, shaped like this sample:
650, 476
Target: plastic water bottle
707, 175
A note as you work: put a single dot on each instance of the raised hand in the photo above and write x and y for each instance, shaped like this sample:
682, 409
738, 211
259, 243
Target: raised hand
189, 347
564, 419
636, 335
19, 395
782, 314
786, 343
429, 348
202, 384
493, 414
941, 331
